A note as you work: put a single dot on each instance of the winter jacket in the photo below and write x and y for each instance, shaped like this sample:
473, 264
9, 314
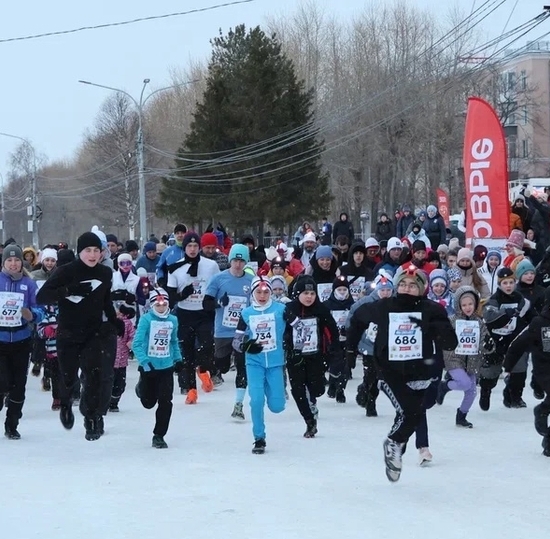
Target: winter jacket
268, 326
150, 266
388, 265
384, 230
16, 294
365, 346
534, 293
405, 221
435, 330
343, 228
540, 222
490, 276
156, 345
435, 230
534, 338
412, 237
124, 286
339, 309
124, 343
40, 276
169, 256
47, 330
471, 363
468, 280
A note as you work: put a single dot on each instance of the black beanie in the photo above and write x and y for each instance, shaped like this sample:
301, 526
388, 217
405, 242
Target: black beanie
88, 239
131, 245
111, 238
64, 256
180, 228
303, 283
418, 245
190, 237
340, 281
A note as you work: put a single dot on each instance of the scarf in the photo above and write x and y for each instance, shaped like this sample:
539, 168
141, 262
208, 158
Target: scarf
193, 265
259, 307
16, 276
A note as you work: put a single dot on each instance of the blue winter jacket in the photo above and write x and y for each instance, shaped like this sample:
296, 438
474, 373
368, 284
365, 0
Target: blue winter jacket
8, 288
166, 337
268, 327
170, 255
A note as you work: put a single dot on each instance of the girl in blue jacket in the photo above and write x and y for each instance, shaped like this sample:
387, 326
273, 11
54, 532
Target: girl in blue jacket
17, 310
158, 353
259, 335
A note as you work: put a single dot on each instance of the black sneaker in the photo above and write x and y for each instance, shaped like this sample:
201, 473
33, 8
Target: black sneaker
371, 408
46, 384
506, 398
442, 390
541, 413
518, 403
36, 368
461, 420
92, 431
159, 443
11, 433
113, 407
340, 396
2, 397
538, 392
100, 425
361, 397
331, 391
485, 399
259, 447
311, 429
66, 416
138, 389
546, 446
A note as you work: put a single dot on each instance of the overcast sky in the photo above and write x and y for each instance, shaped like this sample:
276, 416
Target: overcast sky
40, 96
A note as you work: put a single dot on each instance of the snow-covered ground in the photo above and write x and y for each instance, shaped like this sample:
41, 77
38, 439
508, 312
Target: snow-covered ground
487, 482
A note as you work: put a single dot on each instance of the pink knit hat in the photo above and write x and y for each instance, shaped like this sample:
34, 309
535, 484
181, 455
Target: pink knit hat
464, 254
516, 239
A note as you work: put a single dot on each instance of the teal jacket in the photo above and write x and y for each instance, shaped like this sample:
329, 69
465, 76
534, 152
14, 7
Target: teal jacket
156, 344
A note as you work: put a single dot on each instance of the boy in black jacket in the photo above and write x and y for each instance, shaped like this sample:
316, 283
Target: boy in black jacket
404, 330
536, 339
86, 333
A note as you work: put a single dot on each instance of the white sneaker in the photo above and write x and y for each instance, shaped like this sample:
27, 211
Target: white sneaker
393, 459
424, 456
238, 411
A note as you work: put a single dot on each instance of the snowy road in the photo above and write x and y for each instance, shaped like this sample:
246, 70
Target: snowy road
487, 482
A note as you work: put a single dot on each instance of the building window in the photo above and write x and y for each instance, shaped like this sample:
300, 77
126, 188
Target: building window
524, 80
525, 148
525, 114
510, 81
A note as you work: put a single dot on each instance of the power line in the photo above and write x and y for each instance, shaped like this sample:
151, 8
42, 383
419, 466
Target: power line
123, 23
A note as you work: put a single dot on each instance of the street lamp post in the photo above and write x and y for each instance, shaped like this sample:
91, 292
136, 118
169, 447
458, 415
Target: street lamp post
32, 210
139, 144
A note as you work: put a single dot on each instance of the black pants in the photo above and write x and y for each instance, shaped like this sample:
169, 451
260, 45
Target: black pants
119, 383
306, 375
51, 370
408, 404
14, 365
222, 361
370, 379
157, 387
96, 358
196, 336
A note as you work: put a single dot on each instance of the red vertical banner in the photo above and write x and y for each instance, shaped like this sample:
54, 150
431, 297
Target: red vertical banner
443, 205
485, 173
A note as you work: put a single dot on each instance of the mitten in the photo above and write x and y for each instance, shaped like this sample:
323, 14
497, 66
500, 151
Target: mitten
186, 292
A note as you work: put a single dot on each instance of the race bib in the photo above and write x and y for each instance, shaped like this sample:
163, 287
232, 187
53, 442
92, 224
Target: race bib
159, 339
324, 290
263, 330
468, 334
11, 304
510, 327
545, 338
307, 334
356, 287
198, 294
340, 318
232, 311
404, 337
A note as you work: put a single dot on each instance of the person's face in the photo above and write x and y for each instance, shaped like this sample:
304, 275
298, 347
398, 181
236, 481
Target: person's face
160, 306
125, 266
358, 257
307, 298
455, 285
277, 270
451, 261
113, 247
510, 249
13, 264
383, 218
395, 254
438, 289
309, 246
342, 291
49, 263
262, 295
528, 277
530, 235
416, 231
237, 266
467, 305
479, 263
465, 264
384, 293
372, 252
250, 246
493, 262
209, 250
151, 255
406, 213
419, 255
422, 217
442, 256
90, 256
508, 285
28, 257
278, 291
324, 263
178, 236
343, 247
343, 217
408, 286
431, 214
519, 204
192, 250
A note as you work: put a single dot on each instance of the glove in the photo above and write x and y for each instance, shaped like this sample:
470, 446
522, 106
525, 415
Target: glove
151, 366
416, 321
351, 359
511, 312
252, 347
237, 343
224, 300
130, 298
141, 370
162, 282
186, 292
79, 289
488, 343
527, 193
120, 327
178, 367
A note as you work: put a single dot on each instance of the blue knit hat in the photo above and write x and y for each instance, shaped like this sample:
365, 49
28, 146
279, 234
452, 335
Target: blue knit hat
150, 246
324, 251
523, 267
494, 252
239, 251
